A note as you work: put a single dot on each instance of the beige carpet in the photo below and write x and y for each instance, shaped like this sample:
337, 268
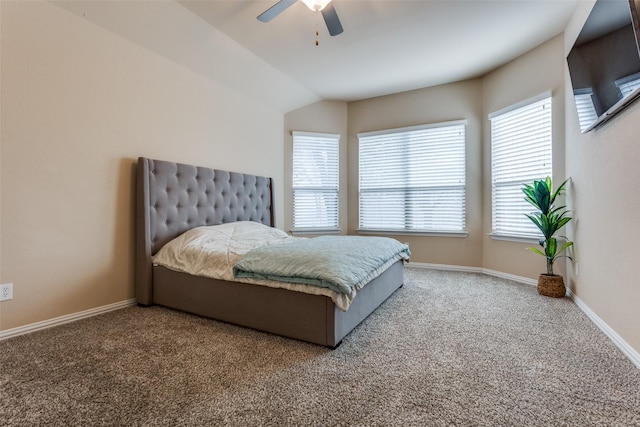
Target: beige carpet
448, 349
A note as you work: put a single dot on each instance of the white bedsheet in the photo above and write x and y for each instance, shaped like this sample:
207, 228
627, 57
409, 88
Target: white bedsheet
212, 251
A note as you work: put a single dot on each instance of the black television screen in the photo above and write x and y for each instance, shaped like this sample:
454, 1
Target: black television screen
604, 62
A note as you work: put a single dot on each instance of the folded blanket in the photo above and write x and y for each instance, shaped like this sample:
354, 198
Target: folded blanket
341, 263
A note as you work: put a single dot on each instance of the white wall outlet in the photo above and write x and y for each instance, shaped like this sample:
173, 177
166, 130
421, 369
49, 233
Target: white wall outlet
6, 291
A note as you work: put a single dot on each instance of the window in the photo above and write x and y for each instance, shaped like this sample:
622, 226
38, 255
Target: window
413, 179
520, 153
315, 181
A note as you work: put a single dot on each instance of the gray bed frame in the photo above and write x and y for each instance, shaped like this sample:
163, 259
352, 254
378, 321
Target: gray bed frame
173, 198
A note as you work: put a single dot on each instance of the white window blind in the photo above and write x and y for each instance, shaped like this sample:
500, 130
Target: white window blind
520, 153
586, 111
628, 84
413, 179
315, 181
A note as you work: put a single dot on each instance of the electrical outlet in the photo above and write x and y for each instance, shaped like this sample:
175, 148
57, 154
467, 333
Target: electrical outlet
6, 291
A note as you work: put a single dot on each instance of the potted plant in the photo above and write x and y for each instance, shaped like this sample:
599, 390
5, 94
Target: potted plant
549, 219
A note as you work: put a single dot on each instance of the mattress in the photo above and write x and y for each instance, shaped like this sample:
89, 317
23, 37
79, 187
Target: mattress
213, 251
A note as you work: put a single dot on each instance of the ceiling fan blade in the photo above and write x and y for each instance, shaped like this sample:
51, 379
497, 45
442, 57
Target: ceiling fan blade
331, 19
275, 10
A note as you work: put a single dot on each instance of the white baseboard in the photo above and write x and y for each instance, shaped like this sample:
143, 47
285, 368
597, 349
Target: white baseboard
64, 319
486, 271
512, 277
445, 267
629, 351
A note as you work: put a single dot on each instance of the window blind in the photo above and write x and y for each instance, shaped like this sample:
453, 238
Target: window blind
413, 179
628, 84
586, 111
520, 153
315, 181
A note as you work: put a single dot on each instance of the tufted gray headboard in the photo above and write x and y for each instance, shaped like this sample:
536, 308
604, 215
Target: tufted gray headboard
173, 198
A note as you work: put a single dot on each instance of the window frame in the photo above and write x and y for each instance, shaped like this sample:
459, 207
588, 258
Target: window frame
407, 189
532, 234
325, 228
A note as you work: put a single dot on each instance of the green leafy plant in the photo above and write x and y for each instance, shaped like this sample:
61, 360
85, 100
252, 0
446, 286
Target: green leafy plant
548, 218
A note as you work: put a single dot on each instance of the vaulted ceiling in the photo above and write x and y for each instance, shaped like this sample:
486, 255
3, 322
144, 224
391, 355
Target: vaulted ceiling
387, 46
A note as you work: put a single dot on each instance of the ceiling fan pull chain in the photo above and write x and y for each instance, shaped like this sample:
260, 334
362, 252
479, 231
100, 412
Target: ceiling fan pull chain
317, 28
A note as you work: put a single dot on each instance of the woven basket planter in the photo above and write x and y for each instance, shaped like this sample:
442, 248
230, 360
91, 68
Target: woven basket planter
551, 286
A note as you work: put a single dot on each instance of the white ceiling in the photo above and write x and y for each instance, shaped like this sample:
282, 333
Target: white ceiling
388, 46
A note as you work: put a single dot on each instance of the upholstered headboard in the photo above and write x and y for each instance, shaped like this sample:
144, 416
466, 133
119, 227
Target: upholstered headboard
173, 198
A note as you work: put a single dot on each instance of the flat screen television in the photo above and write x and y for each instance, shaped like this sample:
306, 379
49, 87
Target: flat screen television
604, 62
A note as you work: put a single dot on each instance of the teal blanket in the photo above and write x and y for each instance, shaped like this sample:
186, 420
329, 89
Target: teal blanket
341, 263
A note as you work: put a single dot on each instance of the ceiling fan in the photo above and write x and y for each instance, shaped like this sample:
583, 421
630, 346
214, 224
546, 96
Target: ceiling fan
324, 6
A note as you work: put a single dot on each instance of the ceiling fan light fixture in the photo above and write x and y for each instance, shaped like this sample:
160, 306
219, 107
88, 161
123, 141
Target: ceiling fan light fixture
316, 5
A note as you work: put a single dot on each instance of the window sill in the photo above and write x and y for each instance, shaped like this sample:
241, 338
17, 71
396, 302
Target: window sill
515, 238
302, 231
415, 233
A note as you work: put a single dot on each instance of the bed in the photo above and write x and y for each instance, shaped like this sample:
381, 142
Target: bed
173, 198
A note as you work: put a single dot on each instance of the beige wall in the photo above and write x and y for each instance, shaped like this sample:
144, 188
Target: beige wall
321, 117
540, 70
603, 165
1, 44
79, 105
431, 105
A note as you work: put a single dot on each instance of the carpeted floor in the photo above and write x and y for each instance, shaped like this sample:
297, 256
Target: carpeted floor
448, 349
